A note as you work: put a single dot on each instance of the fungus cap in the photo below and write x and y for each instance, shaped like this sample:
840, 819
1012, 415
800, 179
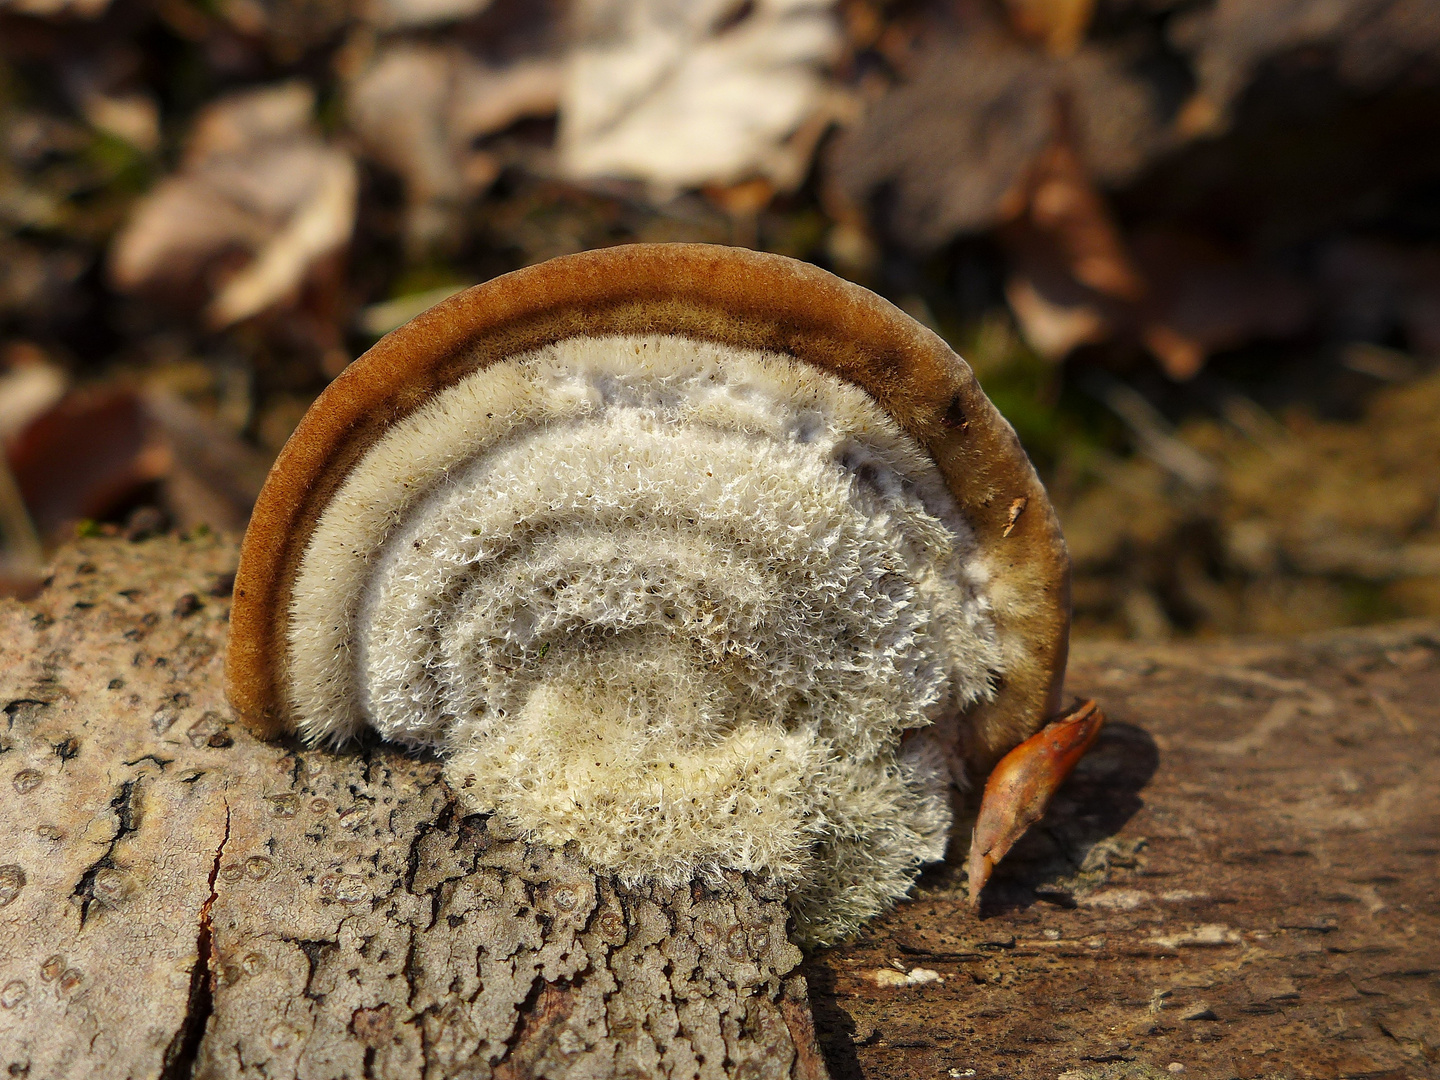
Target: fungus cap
699, 557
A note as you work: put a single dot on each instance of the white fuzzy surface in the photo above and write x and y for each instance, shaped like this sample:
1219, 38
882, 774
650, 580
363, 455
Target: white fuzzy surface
669, 600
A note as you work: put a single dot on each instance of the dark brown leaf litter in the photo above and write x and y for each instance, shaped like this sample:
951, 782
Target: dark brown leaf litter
1211, 149
1238, 881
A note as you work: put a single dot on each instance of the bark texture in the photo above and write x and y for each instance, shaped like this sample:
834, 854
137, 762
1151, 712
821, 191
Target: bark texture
1240, 880
180, 899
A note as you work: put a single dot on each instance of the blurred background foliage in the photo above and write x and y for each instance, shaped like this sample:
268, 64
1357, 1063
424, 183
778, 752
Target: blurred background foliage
1190, 247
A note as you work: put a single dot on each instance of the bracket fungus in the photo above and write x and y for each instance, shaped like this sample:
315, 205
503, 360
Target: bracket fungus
694, 558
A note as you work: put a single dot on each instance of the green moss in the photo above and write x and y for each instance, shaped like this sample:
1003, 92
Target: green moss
1054, 422
120, 166
424, 278
1368, 602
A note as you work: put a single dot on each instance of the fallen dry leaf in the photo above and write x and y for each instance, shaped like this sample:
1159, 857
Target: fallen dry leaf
404, 14
103, 449
951, 149
1075, 280
107, 89
420, 110
29, 385
380, 318
1065, 205
90, 456
260, 202
46, 9
680, 96
1204, 300
1210, 935
1057, 24
1371, 43
891, 978
1070, 266
1021, 786
1055, 325
214, 475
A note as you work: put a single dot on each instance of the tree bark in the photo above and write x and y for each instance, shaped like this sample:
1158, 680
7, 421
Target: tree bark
1240, 880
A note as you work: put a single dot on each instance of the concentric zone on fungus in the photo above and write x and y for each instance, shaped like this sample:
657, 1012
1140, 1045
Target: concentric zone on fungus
660, 431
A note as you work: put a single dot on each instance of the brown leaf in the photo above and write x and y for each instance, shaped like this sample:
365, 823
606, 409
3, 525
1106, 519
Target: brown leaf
1059, 25
102, 450
1066, 207
88, 457
1204, 300
420, 111
1072, 274
1022, 784
258, 206
215, 476
30, 385
951, 149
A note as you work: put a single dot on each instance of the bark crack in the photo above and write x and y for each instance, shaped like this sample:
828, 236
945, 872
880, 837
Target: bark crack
124, 807
184, 1048
313, 949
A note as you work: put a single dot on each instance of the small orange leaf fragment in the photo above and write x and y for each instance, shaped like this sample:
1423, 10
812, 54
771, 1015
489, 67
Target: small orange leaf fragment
1022, 784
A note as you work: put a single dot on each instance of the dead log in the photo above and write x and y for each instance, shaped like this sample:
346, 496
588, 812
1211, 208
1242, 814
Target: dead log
1242, 879
1239, 881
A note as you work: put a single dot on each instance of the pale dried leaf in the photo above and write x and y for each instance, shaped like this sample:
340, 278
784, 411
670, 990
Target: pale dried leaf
241, 123
106, 88
29, 386
133, 118
889, 978
400, 14
321, 225
179, 226
682, 95
419, 111
84, 9
489, 99
1053, 328
398, 107
257, 184
381, 318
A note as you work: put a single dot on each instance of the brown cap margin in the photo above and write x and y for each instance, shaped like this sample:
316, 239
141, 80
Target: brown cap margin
731, 295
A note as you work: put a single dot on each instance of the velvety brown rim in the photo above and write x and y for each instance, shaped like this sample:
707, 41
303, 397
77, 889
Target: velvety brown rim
730, 295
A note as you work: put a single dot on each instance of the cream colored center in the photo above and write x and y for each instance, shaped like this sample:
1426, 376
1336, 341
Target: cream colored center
672, 601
